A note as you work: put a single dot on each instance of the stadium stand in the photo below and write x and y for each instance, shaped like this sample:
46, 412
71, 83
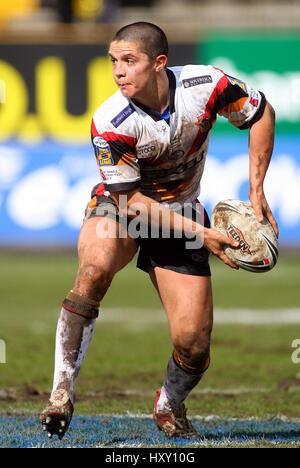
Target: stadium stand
193, 15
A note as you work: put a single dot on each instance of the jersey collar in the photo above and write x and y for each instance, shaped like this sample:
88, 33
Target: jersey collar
171, 108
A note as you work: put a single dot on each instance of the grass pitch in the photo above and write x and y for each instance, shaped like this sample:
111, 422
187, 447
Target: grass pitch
252, 374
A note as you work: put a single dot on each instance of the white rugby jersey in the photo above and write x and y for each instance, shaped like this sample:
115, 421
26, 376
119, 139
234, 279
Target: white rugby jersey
136, 148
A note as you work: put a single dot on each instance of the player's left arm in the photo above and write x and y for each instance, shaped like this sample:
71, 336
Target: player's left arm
246, 108
261, 142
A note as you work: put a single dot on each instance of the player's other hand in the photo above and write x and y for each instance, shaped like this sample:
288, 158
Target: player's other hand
216, 242
262, 209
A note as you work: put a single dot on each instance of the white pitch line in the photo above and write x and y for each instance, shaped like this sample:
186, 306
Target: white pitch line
140, 318
258, 317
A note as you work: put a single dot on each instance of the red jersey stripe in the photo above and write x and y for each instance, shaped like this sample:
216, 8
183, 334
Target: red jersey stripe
111, 136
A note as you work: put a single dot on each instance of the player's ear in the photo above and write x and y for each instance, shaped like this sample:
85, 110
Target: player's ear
161, 62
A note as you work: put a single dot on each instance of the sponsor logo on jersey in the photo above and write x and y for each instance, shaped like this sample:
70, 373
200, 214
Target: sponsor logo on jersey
146, 151
103, 153
173, 173
236, 82
176, 150
100, 142
197, 80
124, 114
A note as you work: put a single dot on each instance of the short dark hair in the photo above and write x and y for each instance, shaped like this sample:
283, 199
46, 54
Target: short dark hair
153, 39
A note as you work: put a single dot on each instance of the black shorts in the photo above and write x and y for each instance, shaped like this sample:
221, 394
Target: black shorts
171, 253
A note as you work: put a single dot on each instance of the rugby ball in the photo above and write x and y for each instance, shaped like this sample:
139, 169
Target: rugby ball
258, 249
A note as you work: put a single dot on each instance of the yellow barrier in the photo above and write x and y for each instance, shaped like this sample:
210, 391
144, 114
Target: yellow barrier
51, 117
12, 8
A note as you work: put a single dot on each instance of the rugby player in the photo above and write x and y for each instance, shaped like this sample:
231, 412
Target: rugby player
150, 140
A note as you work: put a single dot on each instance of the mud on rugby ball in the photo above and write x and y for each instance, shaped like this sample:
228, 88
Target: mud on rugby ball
258, 250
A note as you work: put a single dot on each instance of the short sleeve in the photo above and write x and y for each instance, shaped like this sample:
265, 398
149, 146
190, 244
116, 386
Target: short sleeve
116, 159
238, 102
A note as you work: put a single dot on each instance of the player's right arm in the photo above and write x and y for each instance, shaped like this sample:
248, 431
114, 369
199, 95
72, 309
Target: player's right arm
134, 203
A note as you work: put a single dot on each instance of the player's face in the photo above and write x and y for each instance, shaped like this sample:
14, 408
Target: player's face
133, 71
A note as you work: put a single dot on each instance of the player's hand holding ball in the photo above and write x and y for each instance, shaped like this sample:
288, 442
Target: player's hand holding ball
257, 241
216, 242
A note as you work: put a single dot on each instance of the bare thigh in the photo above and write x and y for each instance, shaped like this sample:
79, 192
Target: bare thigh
100, 258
